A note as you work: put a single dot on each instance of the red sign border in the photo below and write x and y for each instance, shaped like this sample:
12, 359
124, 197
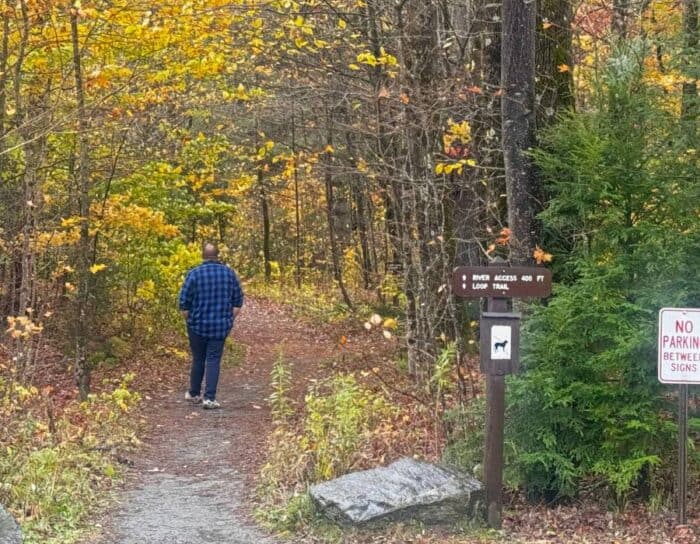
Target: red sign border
658, 347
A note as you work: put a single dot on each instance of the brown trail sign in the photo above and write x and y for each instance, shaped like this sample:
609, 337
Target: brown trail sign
502, 281
500, 335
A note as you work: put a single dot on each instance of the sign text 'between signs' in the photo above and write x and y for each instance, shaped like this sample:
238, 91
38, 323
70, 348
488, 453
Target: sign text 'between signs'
495, 281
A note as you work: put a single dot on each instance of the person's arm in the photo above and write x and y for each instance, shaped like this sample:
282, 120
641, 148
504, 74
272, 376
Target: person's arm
236, 296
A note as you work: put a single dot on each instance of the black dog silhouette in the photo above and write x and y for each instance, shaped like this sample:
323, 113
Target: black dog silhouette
501, 345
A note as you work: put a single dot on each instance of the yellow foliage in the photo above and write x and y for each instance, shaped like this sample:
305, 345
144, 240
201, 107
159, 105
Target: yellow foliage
390, 323
58, 238
147, 290
22, 327
122, 216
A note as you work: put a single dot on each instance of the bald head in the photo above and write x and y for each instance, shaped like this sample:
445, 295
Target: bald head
210, 252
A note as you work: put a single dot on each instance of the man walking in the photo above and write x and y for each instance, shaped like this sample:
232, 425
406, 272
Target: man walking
210, 300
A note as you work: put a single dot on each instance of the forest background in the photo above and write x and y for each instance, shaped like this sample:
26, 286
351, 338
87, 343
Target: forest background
346, 155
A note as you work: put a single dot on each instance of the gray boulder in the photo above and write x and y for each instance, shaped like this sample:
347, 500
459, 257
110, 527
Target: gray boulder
405, 490
9, 529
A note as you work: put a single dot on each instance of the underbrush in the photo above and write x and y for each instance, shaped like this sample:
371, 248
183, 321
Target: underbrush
316, 302
56, 463
344, 426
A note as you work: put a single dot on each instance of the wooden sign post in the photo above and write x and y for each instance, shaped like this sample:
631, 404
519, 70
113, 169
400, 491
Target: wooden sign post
500, 341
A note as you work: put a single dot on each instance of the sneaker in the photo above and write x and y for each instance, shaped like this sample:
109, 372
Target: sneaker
194, 400
210, 404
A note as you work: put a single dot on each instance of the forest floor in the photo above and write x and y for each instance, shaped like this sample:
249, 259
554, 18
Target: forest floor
192, 481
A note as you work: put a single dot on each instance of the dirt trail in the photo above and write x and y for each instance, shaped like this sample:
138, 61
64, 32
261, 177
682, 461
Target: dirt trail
191, 479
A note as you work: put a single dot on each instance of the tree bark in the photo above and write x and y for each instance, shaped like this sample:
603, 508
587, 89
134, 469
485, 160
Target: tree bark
518, 126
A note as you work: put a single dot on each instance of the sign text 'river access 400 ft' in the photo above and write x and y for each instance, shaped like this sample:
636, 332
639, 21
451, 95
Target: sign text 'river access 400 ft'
506, 281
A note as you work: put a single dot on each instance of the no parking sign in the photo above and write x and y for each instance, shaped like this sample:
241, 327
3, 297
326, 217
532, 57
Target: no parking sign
679, 345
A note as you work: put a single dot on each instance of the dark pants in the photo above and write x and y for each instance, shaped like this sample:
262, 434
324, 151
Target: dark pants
206, 355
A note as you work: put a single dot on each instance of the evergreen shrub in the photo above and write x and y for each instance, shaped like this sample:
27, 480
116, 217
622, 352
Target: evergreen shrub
622, 221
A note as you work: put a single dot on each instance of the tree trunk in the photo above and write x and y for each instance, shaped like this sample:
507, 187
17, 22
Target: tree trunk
421, 212
330, 211
297, 206
360, 211
82, 367
478, 194
264, 206
4, 50
265, 211
689, 107
518, 126
620, 16
384, 146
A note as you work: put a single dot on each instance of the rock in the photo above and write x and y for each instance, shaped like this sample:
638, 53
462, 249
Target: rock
10, 532
405, 490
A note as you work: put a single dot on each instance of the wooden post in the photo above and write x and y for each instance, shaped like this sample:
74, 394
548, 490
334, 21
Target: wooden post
493, 462
495, 417
500, 338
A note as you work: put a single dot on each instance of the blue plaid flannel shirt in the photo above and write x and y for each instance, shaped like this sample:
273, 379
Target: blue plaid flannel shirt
210, 292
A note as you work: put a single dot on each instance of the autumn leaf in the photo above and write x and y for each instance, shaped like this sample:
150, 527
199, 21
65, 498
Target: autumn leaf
541, 256
390, 323
563, 68
95, 268
503, 237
